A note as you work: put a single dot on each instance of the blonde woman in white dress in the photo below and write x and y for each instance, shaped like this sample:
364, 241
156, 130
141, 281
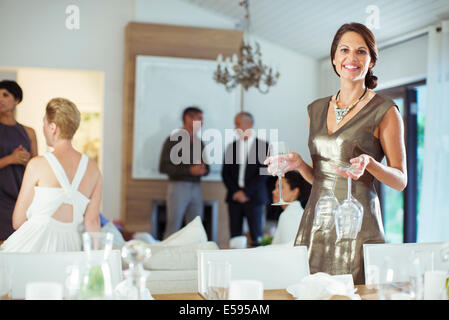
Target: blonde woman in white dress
61, 190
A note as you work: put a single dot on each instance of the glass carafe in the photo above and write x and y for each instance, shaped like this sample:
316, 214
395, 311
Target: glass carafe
96, 282
134, 287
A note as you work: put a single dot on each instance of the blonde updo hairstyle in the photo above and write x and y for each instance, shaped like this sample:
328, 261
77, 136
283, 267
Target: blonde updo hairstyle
65, 115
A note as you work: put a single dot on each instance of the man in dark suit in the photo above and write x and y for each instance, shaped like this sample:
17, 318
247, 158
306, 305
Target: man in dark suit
245, 183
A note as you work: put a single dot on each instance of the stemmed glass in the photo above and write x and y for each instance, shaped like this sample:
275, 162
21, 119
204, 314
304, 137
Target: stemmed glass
276, 152
324, 210
349, 215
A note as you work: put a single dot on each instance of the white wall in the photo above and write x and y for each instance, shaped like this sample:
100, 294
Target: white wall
397, 65
34, 34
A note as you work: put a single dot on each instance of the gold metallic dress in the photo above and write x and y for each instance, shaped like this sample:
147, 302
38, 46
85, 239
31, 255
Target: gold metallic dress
354, 138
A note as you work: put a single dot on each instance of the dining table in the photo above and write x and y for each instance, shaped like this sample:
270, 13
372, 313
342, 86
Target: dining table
366, 292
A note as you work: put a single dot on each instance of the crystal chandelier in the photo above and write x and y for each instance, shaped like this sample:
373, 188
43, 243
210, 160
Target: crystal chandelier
247, 69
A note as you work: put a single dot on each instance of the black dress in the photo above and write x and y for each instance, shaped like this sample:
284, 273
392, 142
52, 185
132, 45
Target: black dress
10, 176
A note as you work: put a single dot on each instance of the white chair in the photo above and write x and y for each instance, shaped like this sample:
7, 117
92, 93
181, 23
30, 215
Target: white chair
399, 259
33, 267
276, 267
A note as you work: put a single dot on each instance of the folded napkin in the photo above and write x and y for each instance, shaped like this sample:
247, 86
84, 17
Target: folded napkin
322, 286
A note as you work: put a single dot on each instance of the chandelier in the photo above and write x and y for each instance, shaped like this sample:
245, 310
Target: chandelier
247, 69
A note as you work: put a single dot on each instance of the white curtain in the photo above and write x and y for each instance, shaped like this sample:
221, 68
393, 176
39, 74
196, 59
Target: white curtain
433, 217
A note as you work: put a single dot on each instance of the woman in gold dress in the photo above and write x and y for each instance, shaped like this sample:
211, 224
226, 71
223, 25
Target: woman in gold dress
355, 126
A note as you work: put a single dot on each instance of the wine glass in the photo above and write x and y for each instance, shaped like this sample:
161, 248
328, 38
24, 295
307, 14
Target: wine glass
324, 210
349, 215
276, 153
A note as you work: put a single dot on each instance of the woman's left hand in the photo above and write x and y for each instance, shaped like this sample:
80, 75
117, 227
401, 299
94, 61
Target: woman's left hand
358, 167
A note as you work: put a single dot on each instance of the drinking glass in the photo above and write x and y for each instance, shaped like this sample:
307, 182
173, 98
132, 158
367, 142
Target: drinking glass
435, 285
348, 215
420, 262
96, 283
219, 277
276, 153
325, 209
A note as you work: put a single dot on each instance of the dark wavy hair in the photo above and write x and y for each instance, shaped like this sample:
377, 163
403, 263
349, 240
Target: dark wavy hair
295, 180
370, 78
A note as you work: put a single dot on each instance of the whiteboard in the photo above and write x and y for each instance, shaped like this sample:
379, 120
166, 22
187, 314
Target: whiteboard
165, 86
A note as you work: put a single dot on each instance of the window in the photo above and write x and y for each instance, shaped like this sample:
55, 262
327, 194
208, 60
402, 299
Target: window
399, 209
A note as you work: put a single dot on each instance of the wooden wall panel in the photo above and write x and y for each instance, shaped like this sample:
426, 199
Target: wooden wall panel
170, 41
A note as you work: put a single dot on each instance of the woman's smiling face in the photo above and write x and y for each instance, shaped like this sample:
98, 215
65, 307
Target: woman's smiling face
352, 59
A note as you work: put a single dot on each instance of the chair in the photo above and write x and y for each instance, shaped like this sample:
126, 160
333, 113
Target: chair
277, 267
30, 267
399, 258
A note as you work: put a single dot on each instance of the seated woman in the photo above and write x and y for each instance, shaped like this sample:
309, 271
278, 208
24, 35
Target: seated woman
60, 190
295, 190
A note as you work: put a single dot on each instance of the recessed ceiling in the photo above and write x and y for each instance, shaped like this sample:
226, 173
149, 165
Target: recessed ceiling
308, 26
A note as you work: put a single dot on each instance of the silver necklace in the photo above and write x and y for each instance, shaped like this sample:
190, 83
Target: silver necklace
341, 112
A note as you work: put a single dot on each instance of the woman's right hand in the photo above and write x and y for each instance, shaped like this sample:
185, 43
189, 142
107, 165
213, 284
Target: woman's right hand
292, 161
20, 156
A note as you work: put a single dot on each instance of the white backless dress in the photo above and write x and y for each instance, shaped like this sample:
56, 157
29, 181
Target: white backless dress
43, 233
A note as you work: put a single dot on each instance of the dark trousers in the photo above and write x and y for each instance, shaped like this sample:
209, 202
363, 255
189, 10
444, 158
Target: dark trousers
254, 216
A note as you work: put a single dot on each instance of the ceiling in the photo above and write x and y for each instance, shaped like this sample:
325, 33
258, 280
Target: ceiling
308, 26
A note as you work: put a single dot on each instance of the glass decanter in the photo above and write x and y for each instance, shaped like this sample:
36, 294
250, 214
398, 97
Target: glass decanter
134, 287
